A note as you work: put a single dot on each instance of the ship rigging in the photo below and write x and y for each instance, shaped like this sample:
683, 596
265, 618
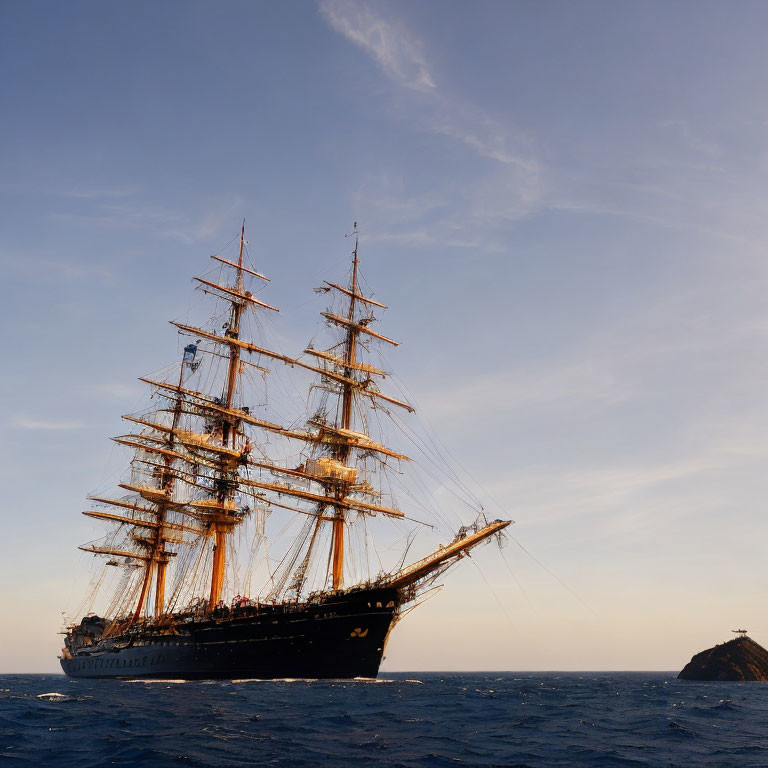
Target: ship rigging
208, 464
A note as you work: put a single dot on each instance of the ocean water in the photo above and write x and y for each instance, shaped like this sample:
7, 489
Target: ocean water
435, 719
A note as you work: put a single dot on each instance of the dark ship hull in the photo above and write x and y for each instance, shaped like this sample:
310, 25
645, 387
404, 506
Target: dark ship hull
341, 636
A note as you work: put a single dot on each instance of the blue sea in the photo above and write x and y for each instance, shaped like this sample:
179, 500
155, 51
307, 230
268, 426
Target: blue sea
429, 719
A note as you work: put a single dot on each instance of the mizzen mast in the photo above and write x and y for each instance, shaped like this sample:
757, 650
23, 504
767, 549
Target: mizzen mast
159, 557
149, 529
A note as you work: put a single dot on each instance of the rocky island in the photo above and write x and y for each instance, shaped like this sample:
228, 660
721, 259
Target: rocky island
740, 659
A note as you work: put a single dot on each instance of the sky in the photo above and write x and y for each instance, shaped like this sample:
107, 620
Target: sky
565, 206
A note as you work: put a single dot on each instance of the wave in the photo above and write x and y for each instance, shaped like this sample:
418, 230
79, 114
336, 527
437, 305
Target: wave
434, 720
273, 680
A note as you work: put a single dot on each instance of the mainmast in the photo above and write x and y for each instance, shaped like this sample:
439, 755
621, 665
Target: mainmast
185, 478
348, 399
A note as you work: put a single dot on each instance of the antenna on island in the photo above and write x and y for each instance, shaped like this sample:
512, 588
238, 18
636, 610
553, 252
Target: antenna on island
740, 632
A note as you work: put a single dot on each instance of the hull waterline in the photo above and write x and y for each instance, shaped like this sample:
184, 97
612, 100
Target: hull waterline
336, 639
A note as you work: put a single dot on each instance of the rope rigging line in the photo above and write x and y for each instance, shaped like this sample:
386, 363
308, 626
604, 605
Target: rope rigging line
554, 576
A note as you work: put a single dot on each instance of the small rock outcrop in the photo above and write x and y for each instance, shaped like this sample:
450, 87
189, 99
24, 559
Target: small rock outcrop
740, 659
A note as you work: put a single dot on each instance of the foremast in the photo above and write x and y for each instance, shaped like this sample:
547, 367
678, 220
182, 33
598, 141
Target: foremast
355, 379
348, 397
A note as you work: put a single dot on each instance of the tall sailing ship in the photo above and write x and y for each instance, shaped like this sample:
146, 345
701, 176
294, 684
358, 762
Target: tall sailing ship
207, 466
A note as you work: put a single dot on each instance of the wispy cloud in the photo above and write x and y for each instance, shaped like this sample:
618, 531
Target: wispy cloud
85, 192
691, 138
128, 214
688, 337
46, 424
551, 494
49, 267
507, 187
160, 220
574, 384
208, 224
622, 509
402, 59
117, 390
675, 177
482, 134
399, 54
